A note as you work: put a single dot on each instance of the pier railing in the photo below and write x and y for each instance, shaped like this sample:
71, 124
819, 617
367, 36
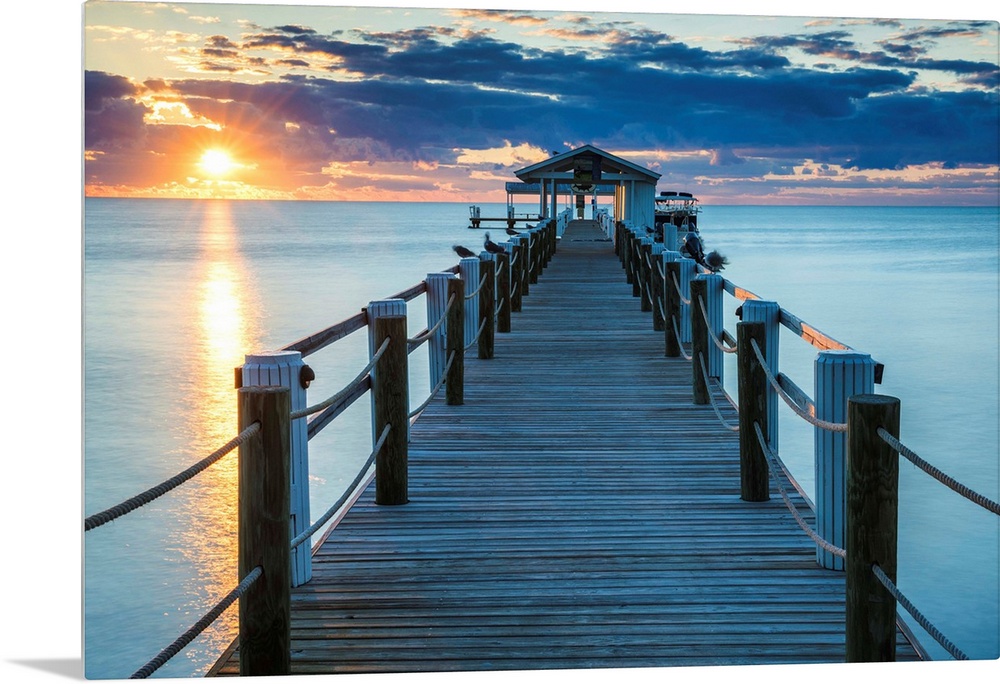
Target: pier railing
466, 305
856, 430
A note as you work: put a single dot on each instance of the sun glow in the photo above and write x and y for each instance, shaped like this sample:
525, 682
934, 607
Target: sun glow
217, 163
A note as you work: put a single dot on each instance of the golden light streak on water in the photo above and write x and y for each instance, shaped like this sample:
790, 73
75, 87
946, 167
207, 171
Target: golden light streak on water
226, 326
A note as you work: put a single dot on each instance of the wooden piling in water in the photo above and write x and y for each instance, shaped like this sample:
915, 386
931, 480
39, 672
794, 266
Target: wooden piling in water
752, 393
391, 393
265, 531
872, 504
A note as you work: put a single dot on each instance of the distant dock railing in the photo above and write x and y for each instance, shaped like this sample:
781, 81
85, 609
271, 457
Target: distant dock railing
466, 305
856, 430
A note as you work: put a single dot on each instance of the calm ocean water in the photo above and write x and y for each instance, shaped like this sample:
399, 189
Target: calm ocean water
176, 292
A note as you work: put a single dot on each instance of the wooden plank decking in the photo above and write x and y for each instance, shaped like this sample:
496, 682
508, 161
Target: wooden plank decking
578, 511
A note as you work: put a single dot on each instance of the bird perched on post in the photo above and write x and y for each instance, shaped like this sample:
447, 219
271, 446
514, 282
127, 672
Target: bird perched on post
491, 246
463, 252
713, 261
511, 231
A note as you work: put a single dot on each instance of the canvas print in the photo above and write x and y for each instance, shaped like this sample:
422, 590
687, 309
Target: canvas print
444, 339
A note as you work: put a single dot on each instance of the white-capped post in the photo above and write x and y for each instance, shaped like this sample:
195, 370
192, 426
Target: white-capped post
285, 369
839, 375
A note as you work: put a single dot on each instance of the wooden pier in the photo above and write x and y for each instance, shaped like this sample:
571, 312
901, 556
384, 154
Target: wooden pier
578, 511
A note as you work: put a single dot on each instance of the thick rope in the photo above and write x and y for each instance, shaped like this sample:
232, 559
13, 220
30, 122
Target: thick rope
659, 304
437, 387
475, 293
659, 268
955, 652
711, 333
715, 407
496, 312
677, 334
773, 466
159, 490
426, 334
792, 404
677, 286
946, 480
476, 338
315, 527
173, 649
351, 386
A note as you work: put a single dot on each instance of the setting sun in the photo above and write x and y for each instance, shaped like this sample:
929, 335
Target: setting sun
217, 163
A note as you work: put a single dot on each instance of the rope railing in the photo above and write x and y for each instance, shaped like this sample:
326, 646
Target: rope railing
478, 333
322, 520
715, 407
711, 333
475, 293
901, 599
677, 286
938, 475
191, 634
425, 335
159, 490
677, 334
437, 387
792, 404
773, 467
309, 410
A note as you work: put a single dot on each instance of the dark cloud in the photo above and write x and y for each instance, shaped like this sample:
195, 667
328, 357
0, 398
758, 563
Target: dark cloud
294, 29
900, 53
420, 94
111, 118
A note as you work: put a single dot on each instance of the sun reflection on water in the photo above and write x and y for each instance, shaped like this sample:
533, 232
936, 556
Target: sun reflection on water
225, 326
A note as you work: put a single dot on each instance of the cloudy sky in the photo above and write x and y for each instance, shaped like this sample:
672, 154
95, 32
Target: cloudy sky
409, 104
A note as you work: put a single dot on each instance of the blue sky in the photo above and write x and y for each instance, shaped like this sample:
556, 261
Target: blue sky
316, 102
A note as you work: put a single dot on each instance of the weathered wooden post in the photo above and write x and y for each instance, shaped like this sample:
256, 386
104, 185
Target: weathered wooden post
503, 292
437, 303
487, 307
454, 325
635, 252
517, 257
839, 374
265, 531
535, 245
528, 257
768, 313
468, 270
645, 258
872, 501
390, 389
672, 307
752, 393
286, 369
627, 255
656, 278
375, 309
699, 343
